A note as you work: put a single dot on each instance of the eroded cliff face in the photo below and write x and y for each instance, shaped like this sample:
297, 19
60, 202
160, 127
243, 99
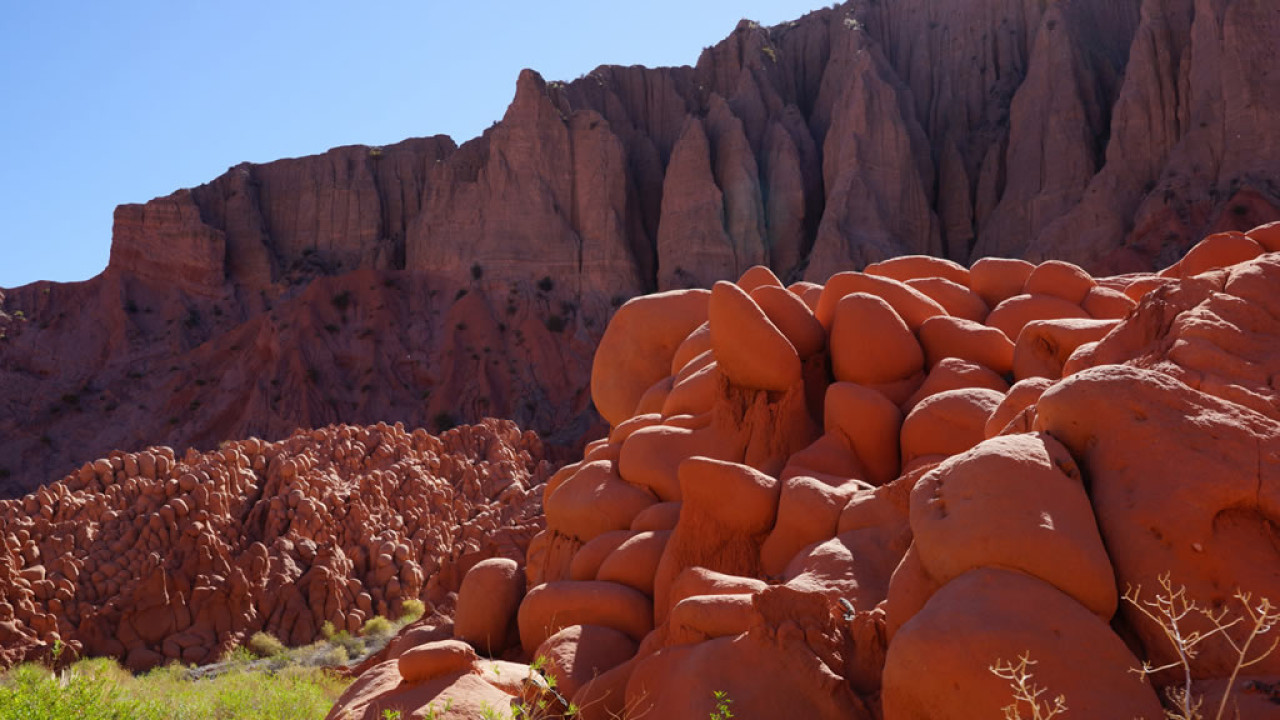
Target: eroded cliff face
331, 287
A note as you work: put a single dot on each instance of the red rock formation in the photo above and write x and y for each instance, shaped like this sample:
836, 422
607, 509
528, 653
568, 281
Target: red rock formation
821, 550
152, 557
1110, 134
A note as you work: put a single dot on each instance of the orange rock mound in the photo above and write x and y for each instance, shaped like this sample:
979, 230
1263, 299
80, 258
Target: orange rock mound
810, 541
154, 557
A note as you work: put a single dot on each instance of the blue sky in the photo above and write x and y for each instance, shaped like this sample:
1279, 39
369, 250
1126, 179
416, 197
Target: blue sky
117, 102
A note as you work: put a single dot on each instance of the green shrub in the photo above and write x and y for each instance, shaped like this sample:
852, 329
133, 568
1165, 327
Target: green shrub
377, 626
265, 645
411, 610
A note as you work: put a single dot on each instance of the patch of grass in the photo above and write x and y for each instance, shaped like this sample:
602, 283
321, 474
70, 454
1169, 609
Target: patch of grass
98, 689
546, 284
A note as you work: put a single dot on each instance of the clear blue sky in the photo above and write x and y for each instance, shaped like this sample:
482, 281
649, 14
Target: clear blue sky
116, 102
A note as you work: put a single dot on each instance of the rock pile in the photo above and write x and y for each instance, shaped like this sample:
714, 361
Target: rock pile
154, 557
850, 500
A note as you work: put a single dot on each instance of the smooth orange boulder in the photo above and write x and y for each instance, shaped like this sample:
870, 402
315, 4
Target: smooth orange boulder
937, 664
637, 347
793, 318
911, 267
701, 617
808, 511
1010, 316
944, 337
635, 561
1044, 345
551, 607
948, 423
662, 516
694, 393
1268, 236
1182, 483
751, 351
1141, 286
487, 603
707, 483
712, 533
651, 456
1107, 303
621, 432
595, 500
913, 306
696, 363
1022, 395
580, 653
655, 397
586, 561
758, 276
830, 456
1218, 251
956, 299
443, 657
956, 374
697, 343
1059, 279
1018, 502
854, 566
998, 279
869, 423
870, 344
767, 673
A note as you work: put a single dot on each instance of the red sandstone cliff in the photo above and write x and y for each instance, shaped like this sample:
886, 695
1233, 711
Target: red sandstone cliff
327, 288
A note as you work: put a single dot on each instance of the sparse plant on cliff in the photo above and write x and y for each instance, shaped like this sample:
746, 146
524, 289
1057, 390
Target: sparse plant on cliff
723, 701
1026, 693
477, 271
1173, 611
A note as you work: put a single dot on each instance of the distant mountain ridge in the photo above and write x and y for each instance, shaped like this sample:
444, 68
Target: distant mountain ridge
430, 283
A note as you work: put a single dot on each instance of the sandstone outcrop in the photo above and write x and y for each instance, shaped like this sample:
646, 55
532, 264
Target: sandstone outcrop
816, 541
1108, 134
155, 557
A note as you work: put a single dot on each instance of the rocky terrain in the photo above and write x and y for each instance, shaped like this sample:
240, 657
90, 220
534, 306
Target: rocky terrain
851, 500
153, 557
432, 283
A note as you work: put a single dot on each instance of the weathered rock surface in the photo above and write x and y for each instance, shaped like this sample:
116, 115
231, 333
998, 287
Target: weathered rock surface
153, 557
870, 537
329, 288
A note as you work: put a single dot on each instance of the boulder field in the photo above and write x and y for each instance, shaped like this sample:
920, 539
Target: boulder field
153, 557
852, 500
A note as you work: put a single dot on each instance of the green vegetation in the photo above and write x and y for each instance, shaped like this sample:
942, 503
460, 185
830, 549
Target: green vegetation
546, 284
99, 689
261, 680
723, 701
265, 645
